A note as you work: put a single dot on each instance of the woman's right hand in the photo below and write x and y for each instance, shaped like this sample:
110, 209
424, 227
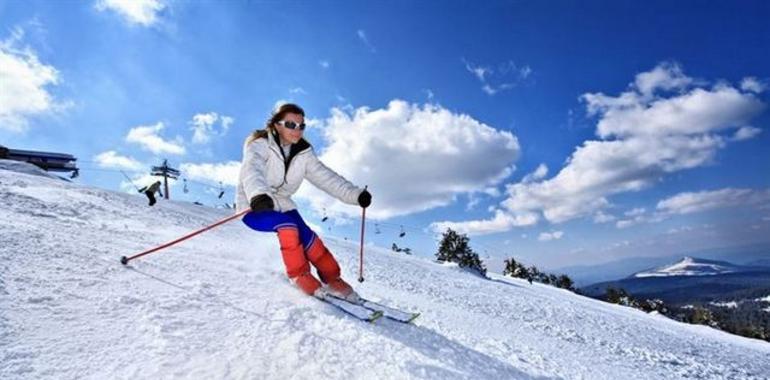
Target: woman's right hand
261, 202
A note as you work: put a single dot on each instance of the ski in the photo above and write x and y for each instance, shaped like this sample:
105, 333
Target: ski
380, 309
389, 312
355, 310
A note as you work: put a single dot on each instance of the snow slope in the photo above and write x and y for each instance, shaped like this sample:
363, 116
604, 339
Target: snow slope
689, 266
218, 306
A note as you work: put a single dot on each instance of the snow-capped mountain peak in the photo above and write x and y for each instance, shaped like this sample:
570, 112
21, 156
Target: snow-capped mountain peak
691, 266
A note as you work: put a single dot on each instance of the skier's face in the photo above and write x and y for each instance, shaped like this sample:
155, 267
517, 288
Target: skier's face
290, 136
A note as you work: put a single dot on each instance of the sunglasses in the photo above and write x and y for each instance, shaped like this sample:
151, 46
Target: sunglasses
291, 125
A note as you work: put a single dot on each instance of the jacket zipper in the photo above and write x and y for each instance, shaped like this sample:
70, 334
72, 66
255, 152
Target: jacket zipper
285, 164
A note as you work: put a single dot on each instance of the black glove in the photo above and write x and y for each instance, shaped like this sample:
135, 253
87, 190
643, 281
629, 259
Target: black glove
261, 202
365, 199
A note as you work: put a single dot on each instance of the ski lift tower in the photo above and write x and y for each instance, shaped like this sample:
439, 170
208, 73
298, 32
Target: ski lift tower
166, 172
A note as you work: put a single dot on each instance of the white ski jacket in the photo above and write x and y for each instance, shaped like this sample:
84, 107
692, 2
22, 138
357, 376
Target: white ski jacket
266, 170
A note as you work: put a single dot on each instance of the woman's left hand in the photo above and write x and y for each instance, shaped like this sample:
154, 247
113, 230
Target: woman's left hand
365, 199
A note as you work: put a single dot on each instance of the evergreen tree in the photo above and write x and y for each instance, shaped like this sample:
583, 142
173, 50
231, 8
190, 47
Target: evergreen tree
534, 274
472, 260
703, 316
614, 295
656, 304
516, 270
510, 267
454, 248
564, 282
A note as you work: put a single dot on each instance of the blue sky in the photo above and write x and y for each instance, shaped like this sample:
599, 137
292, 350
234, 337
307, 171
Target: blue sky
556, 132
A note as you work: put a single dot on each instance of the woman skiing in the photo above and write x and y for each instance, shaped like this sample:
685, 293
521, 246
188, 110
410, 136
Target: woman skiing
275, 162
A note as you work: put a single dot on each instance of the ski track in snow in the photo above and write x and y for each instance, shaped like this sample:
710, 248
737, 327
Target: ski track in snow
219, 306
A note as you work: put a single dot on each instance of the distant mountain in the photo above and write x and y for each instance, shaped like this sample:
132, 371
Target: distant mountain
589, 274
760, 263
748, 255
691, 280
689, 266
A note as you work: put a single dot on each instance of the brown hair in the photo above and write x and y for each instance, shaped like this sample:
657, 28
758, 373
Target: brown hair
277, 116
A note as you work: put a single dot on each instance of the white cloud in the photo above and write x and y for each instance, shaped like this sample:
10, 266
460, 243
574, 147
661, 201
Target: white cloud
489, 89
538, 174
225, 172
666, 76
479, 71
413, 157
278, 103
297, 90
696, 112
505, 76
147, 137
473, 201
525, 72
141, 12
753, 84
111, 159
548, 236
634, 217
325, 64
677, 230
203, 126
646, 135
635, 212
499, 223
692, 202
746, 133
226, 121
626, 223
638, 216
601, 217
362, 36
25, 84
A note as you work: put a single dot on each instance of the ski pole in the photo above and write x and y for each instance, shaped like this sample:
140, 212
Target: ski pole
361, 254
129, 180
124, 260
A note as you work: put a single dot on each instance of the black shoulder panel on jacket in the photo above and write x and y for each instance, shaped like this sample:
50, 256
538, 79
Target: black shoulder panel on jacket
301, 145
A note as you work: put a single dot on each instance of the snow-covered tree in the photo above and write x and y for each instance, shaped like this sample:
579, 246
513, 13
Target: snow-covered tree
454, 248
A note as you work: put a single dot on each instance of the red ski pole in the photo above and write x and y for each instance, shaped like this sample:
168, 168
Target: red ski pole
124, 260
361, 254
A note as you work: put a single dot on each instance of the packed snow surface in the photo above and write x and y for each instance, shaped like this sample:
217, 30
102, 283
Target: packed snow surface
219, 306
689, 266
